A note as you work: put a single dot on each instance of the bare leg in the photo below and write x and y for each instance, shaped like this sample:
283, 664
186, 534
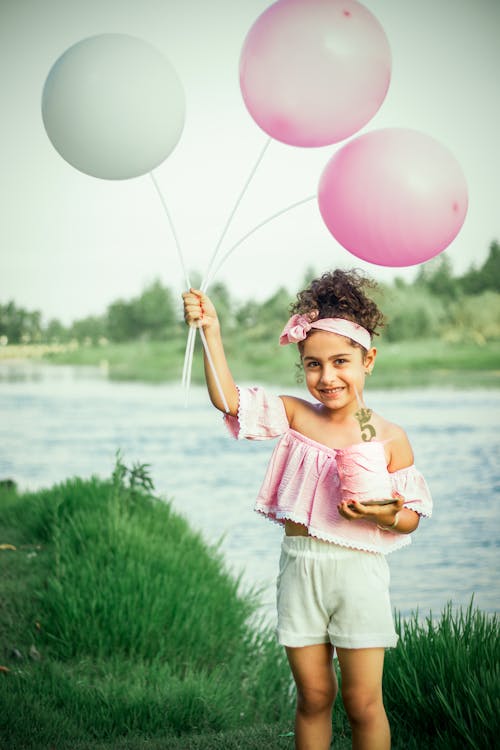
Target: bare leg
361, 671
312, 669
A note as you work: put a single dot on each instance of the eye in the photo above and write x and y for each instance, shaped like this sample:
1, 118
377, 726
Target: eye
312, 363
341, 361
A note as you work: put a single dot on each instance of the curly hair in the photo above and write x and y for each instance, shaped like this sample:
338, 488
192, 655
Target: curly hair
341, 294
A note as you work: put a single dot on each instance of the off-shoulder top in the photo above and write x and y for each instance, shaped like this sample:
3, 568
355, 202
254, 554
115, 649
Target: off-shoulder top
303, 477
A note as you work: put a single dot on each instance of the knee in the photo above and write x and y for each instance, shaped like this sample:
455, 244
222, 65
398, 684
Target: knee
316, 699
362, 708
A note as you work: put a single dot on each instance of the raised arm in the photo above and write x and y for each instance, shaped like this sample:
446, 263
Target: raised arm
199, 311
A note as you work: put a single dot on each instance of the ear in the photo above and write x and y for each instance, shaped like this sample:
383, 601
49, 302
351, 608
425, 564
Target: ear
369, 360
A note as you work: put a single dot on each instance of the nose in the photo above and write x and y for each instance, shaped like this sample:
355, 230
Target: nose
328, 375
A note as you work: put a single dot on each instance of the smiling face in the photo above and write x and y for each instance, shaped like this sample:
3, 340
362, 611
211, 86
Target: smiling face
335, 369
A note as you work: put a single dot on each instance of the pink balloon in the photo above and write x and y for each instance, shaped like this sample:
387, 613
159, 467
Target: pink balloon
313, 72
393, 197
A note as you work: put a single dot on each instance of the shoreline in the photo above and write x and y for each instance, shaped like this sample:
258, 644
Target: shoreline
405, 364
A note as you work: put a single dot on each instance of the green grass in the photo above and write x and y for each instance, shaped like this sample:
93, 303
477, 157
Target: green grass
152, 361
401, 364
444, 678
141, 630
143, 639
436, 362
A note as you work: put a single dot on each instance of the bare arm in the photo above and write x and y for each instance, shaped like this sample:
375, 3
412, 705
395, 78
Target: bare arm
200, 311
406, 519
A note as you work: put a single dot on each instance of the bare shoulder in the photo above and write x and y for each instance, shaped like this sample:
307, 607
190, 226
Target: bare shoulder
295, 407
399, 448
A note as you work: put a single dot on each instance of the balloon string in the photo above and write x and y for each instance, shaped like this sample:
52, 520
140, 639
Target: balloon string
235, 208
252, 231
214, 371
188, 366
179, 253
188, 356
209, 280
192, 331
188, 363
358, 399
174, 233
186, 374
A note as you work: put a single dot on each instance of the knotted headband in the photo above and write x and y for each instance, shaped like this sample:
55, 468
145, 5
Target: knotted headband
299, 326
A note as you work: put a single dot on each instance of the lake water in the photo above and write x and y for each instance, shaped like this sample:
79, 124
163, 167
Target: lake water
59, 422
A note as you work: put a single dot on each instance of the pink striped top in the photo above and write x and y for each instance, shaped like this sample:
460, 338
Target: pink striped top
303, 478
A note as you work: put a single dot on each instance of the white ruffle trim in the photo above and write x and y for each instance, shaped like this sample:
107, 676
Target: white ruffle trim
419, 511
398, 541
236, 425
243, 428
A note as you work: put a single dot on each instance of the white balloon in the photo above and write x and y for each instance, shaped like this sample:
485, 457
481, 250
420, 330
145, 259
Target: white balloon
113, 106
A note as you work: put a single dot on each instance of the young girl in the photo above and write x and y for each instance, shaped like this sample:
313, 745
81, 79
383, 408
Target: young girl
333, 460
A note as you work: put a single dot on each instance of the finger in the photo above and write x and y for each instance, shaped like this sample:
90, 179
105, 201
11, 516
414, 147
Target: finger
200, 298
191, 306
193, 315
346, 510
193, 303
192, 309
361, 512
357, 507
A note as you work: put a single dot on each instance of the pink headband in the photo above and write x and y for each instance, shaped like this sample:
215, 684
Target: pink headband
299, 326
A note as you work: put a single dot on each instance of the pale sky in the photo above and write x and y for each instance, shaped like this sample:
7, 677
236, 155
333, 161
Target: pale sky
70, 244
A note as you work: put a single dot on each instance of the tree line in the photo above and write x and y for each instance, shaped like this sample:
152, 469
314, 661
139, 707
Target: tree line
435, 303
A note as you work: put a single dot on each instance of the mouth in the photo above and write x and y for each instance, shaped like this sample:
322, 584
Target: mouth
332, 391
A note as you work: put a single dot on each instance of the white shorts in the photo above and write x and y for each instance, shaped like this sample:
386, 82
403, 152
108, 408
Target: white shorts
328, 593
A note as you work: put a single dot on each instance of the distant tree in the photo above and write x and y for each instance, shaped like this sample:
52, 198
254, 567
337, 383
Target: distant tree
91, 329
437, 276
33, 326
491, 267
221, 297
476, 281
20, 325
151, 315
121, 322
154, 311
247, 315
55, 333
415, 315
11, 322
276, 308
475, 317
264, 319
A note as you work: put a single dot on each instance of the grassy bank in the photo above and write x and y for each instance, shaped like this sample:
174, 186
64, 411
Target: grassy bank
401, 364
141, 631
121, 628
